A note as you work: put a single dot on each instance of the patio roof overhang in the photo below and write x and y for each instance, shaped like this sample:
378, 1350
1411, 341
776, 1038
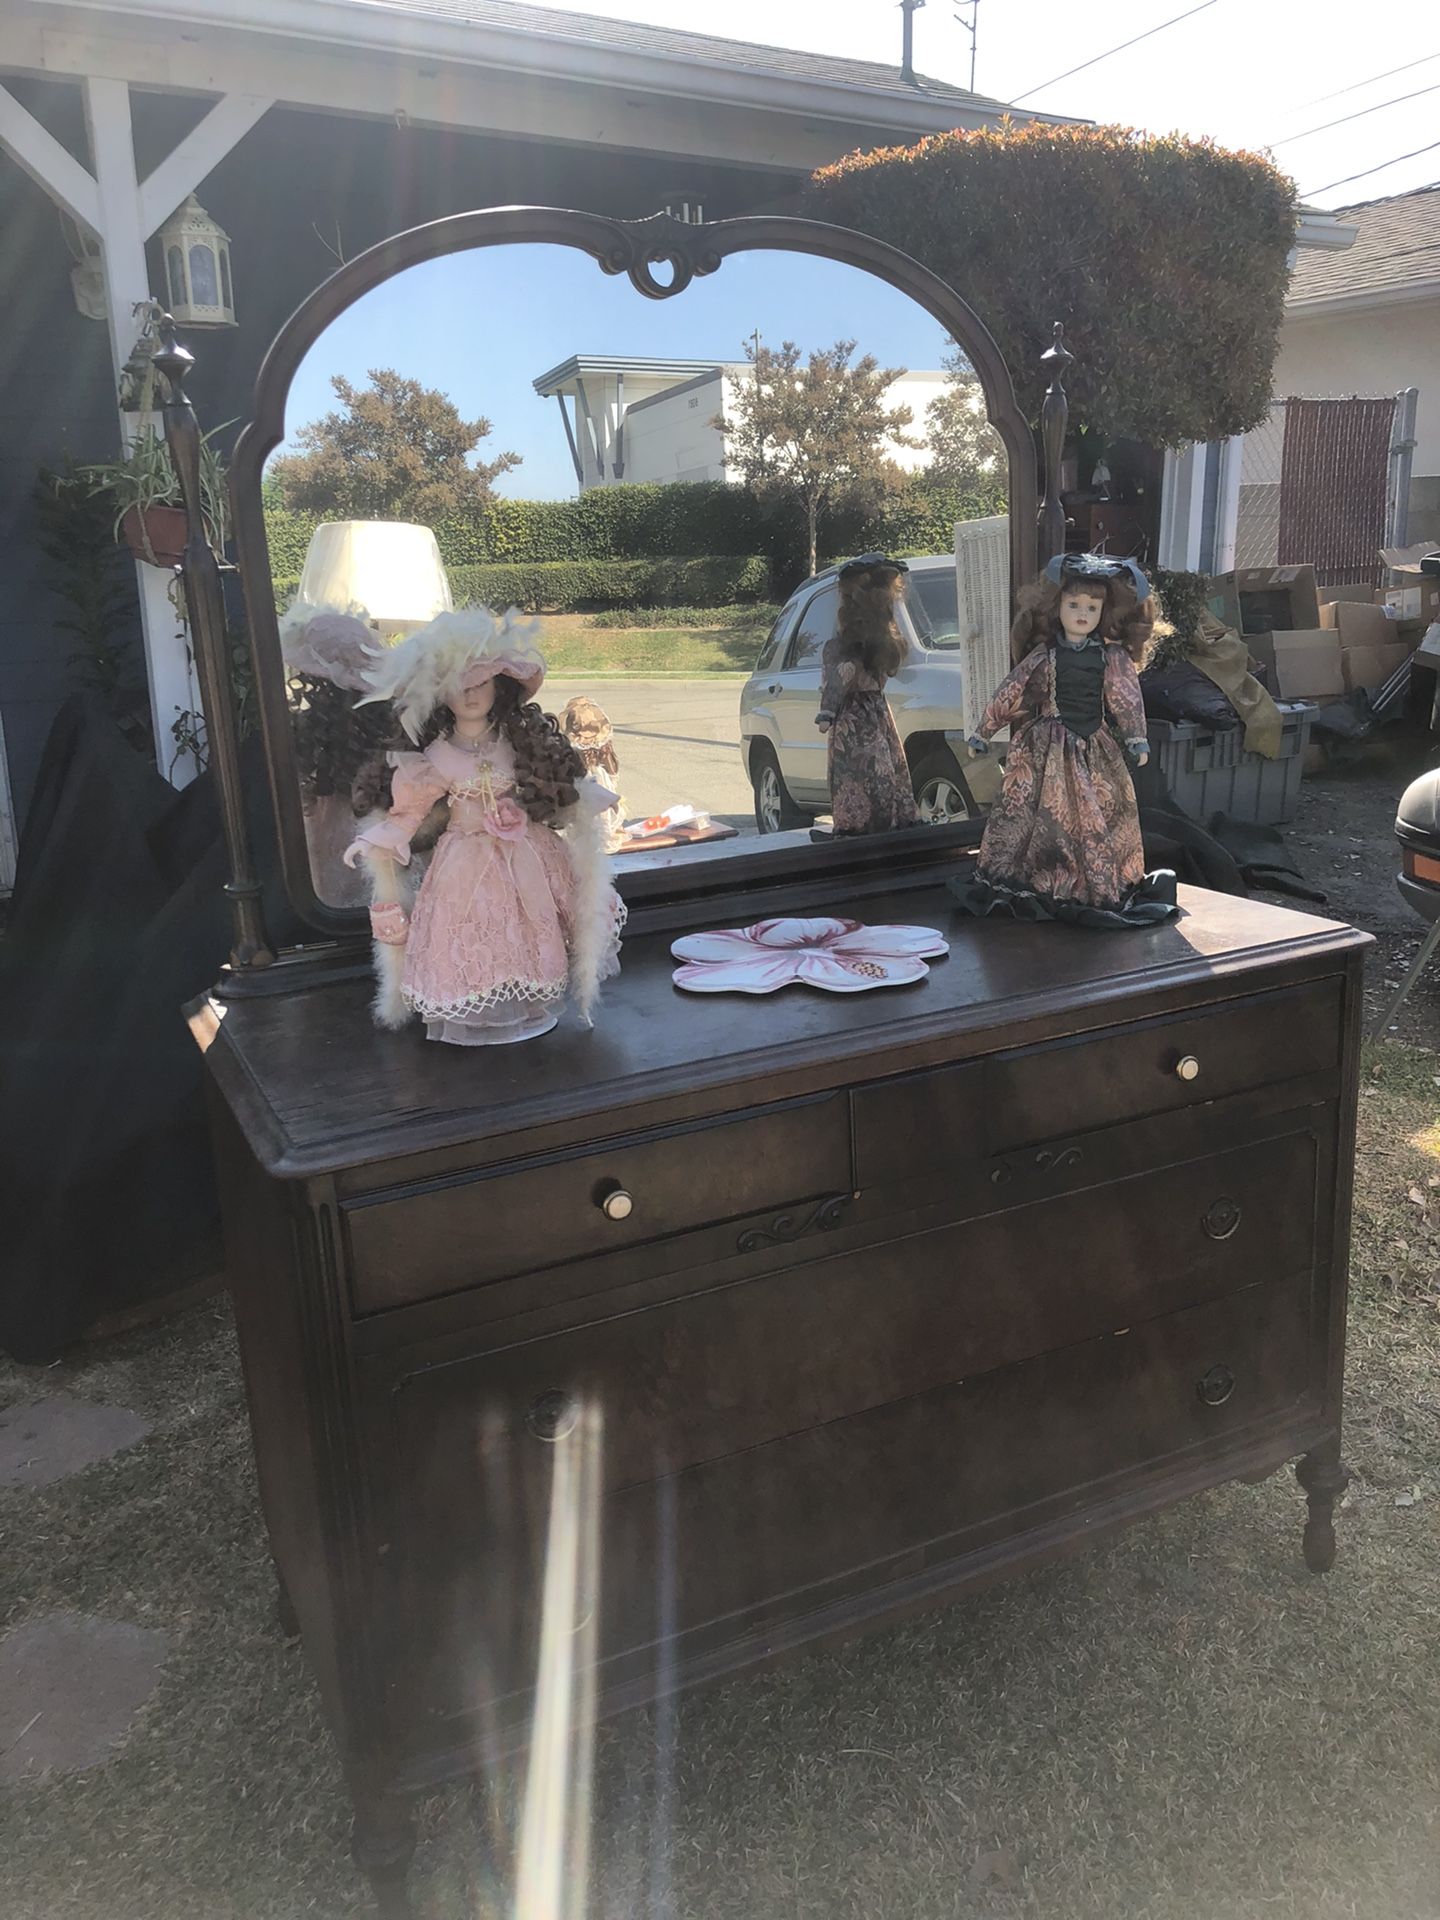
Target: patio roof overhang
447, 69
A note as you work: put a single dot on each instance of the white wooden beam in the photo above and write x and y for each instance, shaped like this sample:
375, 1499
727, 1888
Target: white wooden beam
197, 155
47, 162
127, 284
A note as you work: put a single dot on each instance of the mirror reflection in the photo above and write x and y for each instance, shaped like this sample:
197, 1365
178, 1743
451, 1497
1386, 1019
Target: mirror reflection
670, 489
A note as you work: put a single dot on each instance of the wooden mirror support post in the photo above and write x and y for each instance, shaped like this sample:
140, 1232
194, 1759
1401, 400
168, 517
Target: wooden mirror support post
205, 610
1050, 520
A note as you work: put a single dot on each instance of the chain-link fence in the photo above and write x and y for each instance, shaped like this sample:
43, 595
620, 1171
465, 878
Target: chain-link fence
1257, 527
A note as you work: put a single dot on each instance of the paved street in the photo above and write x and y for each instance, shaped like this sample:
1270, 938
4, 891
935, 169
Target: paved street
677, 741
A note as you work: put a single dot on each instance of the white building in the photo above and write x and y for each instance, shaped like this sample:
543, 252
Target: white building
632, 420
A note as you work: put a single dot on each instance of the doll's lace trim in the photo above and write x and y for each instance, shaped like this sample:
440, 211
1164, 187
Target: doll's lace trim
537, 992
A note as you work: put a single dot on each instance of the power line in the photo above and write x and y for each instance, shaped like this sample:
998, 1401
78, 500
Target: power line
1366, 173
1105, 56
1355, 85
1360, 114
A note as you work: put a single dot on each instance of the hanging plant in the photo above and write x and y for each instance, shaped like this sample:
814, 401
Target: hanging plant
148, 506
1167, 260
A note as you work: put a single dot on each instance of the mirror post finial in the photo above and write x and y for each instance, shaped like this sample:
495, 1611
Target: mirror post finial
205, 611
1054, 414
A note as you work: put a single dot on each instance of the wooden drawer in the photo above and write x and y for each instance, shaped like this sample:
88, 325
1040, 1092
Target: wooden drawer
521, 1216
1131, 1073
934, 1121
746, 1363
777, 1530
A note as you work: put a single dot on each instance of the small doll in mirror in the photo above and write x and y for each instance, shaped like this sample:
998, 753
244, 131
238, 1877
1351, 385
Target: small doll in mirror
516, 906
870, 788
1063, 839
587, 727
327, 652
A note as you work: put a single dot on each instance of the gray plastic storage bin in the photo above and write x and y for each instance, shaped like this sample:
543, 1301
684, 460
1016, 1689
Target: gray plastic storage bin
1209, 773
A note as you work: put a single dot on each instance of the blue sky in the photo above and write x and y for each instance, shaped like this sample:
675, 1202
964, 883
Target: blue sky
482, 326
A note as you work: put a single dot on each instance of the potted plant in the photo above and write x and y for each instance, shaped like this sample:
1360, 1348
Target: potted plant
145, 493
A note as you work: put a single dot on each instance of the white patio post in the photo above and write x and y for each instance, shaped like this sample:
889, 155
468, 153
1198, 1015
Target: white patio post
1182, 507
1227, 506
122, 212
173, 688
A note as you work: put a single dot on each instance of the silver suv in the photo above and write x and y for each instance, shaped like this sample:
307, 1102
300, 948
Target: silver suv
785, 752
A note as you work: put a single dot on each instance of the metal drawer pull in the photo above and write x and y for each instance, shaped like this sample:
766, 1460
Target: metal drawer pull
1216, 1386
617, 1204
550, 1416
1188, 1067
1221, 1217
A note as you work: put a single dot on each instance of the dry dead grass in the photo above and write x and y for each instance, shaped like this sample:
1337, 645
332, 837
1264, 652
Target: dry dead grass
1181, 1723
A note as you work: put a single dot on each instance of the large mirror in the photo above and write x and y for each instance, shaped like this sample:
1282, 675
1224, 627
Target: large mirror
666, 486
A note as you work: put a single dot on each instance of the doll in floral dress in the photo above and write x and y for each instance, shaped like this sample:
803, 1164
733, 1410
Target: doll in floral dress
1063, 838
870, 789
516, 906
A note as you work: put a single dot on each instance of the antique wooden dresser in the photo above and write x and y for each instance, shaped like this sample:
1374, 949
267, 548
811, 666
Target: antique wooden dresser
865, 1299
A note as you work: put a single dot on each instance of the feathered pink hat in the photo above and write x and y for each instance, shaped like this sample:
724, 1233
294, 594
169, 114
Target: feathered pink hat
464, 648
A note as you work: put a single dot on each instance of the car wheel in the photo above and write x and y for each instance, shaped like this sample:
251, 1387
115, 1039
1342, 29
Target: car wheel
941, 791
775, 811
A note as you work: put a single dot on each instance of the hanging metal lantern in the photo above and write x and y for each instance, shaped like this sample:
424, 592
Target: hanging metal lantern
197, 268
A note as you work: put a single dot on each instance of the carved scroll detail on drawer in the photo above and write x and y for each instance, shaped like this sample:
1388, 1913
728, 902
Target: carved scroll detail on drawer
1035, 1167
823, 1217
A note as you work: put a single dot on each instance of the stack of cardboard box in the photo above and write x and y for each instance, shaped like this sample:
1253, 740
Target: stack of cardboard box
1415, 602
1321, 643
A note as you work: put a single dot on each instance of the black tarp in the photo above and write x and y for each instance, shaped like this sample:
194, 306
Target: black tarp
106, 1187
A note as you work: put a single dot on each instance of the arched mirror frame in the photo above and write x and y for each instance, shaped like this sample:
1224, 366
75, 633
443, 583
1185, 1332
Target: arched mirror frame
634, 248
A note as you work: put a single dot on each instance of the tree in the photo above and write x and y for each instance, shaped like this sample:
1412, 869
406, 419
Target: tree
965, 450
814, 434
397, 451
1166, 258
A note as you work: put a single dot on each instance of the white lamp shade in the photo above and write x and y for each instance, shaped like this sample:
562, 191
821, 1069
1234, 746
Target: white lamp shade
390, 568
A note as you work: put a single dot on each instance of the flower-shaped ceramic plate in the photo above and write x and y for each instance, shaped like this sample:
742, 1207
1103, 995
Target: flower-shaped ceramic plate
842, 956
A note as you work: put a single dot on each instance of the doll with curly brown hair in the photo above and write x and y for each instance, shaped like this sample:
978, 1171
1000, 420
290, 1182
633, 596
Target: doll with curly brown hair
870, 789
327, 652
516, 905
1063, 838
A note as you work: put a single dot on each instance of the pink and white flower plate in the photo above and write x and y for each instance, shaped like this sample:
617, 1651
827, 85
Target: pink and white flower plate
842, 956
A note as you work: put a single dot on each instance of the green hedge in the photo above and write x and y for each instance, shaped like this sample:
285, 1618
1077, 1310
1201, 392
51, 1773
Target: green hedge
654, 522
569, 586
759, 613
564, 586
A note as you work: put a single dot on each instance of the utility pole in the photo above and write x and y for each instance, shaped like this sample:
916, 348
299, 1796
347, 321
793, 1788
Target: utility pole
972, 27
909, 8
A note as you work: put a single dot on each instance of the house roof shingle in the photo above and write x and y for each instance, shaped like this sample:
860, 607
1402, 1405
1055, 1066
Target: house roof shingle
1397, 249
550, 24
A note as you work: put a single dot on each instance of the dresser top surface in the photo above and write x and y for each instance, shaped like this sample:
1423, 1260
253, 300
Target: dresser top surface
317, 1089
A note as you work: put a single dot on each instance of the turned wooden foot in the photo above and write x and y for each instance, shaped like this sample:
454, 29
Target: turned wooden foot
382, 1845
1324, 1476
286, 1617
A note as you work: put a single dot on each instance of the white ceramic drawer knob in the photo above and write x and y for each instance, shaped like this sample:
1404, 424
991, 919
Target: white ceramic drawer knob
1188, 1067
617, 1204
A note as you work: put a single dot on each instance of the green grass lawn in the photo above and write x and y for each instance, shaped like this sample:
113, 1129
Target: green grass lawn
570, 647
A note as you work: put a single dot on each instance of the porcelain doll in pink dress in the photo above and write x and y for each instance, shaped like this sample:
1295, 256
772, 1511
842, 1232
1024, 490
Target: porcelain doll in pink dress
516, 907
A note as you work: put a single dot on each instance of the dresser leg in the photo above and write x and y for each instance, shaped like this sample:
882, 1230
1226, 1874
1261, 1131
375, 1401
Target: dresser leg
1324, 1476
382, 1844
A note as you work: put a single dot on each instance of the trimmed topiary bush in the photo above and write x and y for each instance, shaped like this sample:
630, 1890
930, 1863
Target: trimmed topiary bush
1167, 260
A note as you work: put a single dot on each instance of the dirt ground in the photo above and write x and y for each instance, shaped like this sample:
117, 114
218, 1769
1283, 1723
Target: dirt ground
1343, 841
